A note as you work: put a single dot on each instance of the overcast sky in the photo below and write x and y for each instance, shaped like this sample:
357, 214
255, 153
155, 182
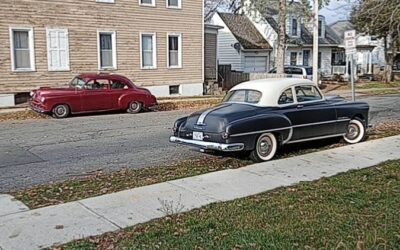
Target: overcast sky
337, 10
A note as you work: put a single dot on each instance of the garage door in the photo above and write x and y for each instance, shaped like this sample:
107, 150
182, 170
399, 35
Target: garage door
255, 64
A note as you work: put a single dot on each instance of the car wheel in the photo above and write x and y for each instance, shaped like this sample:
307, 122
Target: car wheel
355, 131
60, 111
265, 149
134, 107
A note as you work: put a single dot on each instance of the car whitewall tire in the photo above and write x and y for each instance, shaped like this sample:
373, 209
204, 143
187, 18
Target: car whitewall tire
265, 148
134, 107
355, 131
61, 111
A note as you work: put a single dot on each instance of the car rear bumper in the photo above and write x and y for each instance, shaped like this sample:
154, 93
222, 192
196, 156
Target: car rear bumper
208, 145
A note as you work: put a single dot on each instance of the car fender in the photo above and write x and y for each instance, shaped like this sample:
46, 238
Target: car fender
259, 124
125, 99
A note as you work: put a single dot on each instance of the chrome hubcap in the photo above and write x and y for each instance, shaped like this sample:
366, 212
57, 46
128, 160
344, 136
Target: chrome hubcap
60, 110
265, 147
352, 131
134, 106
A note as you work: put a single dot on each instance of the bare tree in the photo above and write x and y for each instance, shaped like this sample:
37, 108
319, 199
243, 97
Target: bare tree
380, 18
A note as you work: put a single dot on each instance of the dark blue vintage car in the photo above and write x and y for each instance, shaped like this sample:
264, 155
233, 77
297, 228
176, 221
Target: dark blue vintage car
259, 116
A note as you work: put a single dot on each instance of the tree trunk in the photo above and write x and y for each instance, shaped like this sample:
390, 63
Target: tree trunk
280, 54
389, 58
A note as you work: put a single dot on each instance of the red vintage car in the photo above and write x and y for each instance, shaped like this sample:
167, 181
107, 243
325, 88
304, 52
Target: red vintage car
92, 93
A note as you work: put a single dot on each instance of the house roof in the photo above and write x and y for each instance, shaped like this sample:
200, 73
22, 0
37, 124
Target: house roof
306, 36
244, 31
339, 27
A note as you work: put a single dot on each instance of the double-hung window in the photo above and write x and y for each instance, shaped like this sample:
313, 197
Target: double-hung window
107, 50
174, 4
148, 55
22, 49
174, 50
147, 2
294, 27
57, 49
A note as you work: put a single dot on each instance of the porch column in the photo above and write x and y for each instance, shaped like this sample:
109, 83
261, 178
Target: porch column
369, 62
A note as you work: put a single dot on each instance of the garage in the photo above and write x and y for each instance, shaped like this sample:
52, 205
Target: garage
255, 64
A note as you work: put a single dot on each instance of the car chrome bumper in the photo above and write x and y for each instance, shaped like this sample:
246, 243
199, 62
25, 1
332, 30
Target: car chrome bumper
38, 107
208, 145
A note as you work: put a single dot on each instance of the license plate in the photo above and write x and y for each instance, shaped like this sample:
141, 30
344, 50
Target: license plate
198, 136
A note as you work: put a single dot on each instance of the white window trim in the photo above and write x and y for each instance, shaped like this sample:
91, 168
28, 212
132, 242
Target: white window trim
154, 50
105, 1
31, 49
153, 3
67, 68
179, 35
174, 7
114, 44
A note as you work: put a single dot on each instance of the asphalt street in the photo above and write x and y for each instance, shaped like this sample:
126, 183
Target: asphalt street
39, 151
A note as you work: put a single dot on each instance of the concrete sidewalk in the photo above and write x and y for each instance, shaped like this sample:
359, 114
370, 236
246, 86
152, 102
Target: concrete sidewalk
59, 224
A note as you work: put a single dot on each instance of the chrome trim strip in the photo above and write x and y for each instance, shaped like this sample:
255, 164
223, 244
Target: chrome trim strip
285, 128
289, 136
202, 117
260, 131
316, 138
318, 123
208, 145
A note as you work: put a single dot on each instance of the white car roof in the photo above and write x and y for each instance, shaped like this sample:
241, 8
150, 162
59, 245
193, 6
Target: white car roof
272, 88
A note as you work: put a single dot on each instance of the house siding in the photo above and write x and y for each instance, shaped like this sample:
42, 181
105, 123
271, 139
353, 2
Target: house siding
83, 19
227, 54
210, 56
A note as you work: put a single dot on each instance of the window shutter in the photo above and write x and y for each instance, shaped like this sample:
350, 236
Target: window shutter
58, 49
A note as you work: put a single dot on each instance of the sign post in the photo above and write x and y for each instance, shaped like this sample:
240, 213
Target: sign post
350, 45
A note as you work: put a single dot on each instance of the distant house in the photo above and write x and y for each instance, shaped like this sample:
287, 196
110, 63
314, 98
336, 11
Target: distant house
370, 50
299, 38
240, 44
156, 43
211, 52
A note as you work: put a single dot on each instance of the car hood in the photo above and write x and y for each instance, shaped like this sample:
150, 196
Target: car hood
216, 119
53, 91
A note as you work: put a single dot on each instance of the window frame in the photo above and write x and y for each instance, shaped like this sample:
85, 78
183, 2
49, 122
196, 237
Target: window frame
154, 35
153, 3
49, 67
114, 49
317, 89
31, 48
179, 35
172, 6
105, 1
294, 98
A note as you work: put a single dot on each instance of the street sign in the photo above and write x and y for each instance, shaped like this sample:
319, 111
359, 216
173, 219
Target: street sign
350, 45
350, 42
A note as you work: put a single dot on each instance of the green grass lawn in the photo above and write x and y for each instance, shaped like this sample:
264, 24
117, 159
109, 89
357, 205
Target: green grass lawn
373, 85
355, 210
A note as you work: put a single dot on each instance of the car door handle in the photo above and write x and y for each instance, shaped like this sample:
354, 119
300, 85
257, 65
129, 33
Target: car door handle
300, 106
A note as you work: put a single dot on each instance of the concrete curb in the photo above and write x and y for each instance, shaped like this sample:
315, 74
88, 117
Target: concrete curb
60, 224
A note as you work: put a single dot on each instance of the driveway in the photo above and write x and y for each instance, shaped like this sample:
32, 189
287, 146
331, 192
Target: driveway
39, 151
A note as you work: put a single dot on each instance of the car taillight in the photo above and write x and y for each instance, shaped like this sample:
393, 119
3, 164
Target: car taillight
304, 77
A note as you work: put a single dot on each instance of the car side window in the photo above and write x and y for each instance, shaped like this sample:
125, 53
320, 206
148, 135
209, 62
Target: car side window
115, 84
307, 93
286, 97
288, 71
297, 71
97, 84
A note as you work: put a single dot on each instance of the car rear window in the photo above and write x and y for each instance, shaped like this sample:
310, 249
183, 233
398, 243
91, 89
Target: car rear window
243, 96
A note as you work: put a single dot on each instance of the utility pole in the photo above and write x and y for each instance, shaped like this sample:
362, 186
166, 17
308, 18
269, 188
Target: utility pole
315, 43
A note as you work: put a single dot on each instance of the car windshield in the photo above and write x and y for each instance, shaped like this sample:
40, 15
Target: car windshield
77, 83
244, 96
